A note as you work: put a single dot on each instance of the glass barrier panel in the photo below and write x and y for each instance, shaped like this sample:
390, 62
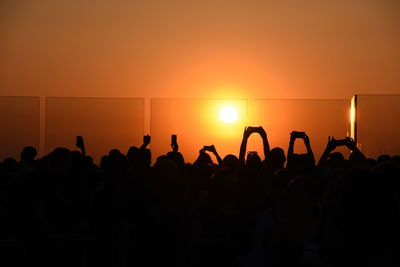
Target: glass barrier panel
19, 117
377, 123
197, 123
319, 118
104, 123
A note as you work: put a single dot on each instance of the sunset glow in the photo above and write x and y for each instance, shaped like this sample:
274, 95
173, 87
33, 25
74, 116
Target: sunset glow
228, 114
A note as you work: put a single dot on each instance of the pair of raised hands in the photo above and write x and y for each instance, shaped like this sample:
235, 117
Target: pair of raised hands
208, 148
250, 130
348, 142
299, 135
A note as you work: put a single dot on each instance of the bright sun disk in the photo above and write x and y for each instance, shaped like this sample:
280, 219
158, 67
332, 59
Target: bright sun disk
228, 114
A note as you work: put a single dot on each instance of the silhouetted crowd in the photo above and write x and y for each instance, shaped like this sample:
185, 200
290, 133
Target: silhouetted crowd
278, 209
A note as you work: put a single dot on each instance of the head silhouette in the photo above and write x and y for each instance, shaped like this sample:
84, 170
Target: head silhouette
28, 153
230, 161
278, 157
253, 160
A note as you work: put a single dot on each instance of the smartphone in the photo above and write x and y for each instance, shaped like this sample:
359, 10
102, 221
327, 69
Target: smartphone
208, 148
79, 141
252, 129
301, 134
146, 139
341, 142
174, 139
297, 134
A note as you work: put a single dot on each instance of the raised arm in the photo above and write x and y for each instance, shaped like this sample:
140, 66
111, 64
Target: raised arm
81, 145
291, 145
267, 150
214, 151
174, 143
351, 144
330, 146
243, 146
302, 135
146, 141
306, 140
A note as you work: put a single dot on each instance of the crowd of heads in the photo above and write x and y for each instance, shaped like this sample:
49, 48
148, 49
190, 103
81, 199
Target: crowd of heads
277, 209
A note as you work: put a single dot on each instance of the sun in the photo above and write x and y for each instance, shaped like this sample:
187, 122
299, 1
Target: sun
228, 114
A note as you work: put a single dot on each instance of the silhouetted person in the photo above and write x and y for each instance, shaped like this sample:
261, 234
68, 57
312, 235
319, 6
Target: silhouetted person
246, 210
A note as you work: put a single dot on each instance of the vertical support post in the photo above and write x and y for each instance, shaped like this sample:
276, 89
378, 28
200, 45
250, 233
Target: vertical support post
353, 118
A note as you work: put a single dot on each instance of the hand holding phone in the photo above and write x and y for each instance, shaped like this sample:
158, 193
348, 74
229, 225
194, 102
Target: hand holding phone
79, 142
209, 148
351, 144
261, 132
341, 142
146, 140
174, 143
296, 134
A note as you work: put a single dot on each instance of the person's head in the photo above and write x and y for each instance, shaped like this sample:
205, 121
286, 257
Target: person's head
358, 160
278, 157
117, 162
114, 152
28, 153
230, 161
203, 159
132, 154
383, 158
253, 160
60, 157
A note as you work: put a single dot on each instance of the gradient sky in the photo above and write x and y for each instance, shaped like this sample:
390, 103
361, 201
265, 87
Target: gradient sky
208, 48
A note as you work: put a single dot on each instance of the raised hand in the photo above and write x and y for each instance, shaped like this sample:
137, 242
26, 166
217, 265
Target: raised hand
209, 148
331, 144
146, 140
306, 139
175, 147
80, 144
293, 136
262, 132
247, 132
174, 143
213, 150
351, 144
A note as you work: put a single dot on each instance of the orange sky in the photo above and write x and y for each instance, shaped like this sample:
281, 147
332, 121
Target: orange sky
208, 48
